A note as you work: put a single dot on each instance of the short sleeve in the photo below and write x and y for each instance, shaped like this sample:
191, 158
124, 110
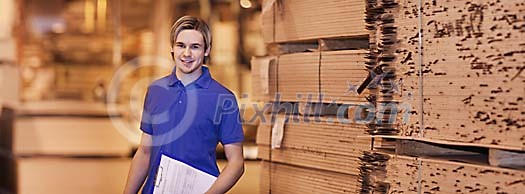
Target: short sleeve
230, 128
146, 123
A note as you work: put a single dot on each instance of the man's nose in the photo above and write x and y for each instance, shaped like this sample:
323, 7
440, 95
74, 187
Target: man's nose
187, 51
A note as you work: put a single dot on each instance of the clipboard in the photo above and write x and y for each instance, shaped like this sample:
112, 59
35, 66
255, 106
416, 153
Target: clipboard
176, 177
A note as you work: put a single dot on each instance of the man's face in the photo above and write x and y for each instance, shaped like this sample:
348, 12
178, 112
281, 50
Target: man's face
188, 51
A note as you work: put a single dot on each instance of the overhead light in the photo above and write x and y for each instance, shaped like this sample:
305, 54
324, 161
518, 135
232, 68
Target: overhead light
58, 28
246, 4
89, 16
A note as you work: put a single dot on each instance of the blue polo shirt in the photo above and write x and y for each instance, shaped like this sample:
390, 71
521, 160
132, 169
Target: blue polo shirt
187, 122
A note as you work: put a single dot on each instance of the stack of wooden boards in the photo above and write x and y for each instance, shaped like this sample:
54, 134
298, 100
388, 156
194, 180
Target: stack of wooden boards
464, 85
317, 60
69, 147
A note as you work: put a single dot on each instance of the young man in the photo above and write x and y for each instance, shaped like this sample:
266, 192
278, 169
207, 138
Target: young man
186, 114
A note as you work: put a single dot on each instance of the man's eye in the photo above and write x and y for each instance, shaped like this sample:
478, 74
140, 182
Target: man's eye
196, 46
179, 45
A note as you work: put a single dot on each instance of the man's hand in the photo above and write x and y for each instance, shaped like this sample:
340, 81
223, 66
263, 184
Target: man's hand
139, 166
232, 171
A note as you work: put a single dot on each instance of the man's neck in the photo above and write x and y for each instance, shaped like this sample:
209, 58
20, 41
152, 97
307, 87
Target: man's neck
187, 78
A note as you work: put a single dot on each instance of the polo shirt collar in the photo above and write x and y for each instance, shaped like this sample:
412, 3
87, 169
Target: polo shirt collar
203, 81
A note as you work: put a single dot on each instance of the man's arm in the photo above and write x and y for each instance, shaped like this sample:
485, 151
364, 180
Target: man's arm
139, 166
231, 172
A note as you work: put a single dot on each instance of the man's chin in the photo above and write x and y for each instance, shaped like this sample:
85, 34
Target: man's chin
186, 70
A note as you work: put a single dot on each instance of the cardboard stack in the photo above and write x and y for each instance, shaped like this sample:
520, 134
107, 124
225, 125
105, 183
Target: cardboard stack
309, 152
324, 76
293, 179
463, 86
472, 79
341, 73
316, 145
285, 21
315, 67
403, 174
298, 77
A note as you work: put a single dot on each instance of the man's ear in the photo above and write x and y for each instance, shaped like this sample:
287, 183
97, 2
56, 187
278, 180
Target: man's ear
207, 53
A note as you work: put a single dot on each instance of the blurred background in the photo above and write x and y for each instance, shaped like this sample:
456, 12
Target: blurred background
60, 59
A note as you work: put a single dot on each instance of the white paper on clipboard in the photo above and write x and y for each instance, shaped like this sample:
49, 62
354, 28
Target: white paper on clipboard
175, 177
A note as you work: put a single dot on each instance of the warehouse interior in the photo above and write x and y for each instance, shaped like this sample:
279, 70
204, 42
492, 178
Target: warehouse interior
335, 96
